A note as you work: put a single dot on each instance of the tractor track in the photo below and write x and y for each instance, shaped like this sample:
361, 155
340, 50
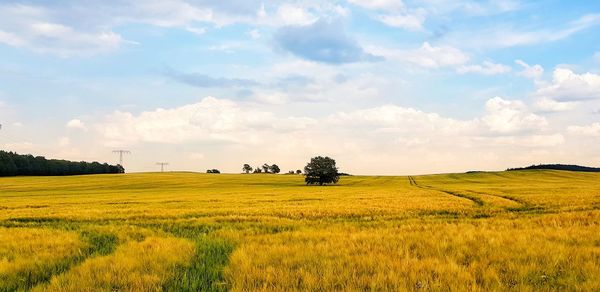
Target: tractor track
475, 200
524, 205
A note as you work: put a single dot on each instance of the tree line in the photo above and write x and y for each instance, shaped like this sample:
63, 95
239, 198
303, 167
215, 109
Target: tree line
13, 164
558, 167
266, 168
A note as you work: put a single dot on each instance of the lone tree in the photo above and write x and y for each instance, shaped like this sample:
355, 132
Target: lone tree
274, 168
321, 170
247, 168
298, 171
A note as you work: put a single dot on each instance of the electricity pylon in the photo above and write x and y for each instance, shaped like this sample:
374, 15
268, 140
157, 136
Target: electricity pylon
121, 152
162, 165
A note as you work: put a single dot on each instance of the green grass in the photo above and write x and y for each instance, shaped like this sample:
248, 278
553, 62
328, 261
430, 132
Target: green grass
205, 272
525, 230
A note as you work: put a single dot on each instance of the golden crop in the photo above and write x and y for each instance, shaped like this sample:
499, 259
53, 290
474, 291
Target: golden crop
525, 230
135, 266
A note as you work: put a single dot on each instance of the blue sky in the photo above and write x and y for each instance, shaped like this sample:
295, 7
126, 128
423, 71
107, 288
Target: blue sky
389, 87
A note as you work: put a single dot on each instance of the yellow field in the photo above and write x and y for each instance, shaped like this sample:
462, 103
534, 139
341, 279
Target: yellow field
526, 230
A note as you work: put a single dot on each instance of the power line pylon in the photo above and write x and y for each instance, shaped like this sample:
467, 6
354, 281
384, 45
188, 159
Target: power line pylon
121, 152
162, 165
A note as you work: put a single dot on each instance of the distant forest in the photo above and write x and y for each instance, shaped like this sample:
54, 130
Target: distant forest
13, 164
559, 167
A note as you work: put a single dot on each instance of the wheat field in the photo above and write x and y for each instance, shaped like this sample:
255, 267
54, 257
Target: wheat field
525, 230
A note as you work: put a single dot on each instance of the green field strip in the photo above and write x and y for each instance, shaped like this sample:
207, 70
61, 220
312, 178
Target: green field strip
206, 270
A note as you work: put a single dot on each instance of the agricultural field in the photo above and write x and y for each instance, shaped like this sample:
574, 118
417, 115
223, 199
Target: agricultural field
522, 230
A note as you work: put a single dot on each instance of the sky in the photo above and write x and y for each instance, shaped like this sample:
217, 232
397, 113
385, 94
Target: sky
382, 86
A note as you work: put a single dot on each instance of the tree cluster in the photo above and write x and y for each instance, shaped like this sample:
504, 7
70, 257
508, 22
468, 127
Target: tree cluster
266, 168
212, 171
13, 164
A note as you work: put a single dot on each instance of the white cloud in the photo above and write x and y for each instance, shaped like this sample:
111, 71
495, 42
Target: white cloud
486, 68
222, 120
549, 105
505, 36
427, 56
210, 119
412, 21
508, 117
340, 11
470, 7
271, 97
196, 30
352, 136
435, 57
288, 14
32, 28
569, 86
412, 17
565, 91
11, 39
76, 124
502, 116
396, 119
592, 130
164, 13
533, 72
293, 13
386, 5
395, 14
